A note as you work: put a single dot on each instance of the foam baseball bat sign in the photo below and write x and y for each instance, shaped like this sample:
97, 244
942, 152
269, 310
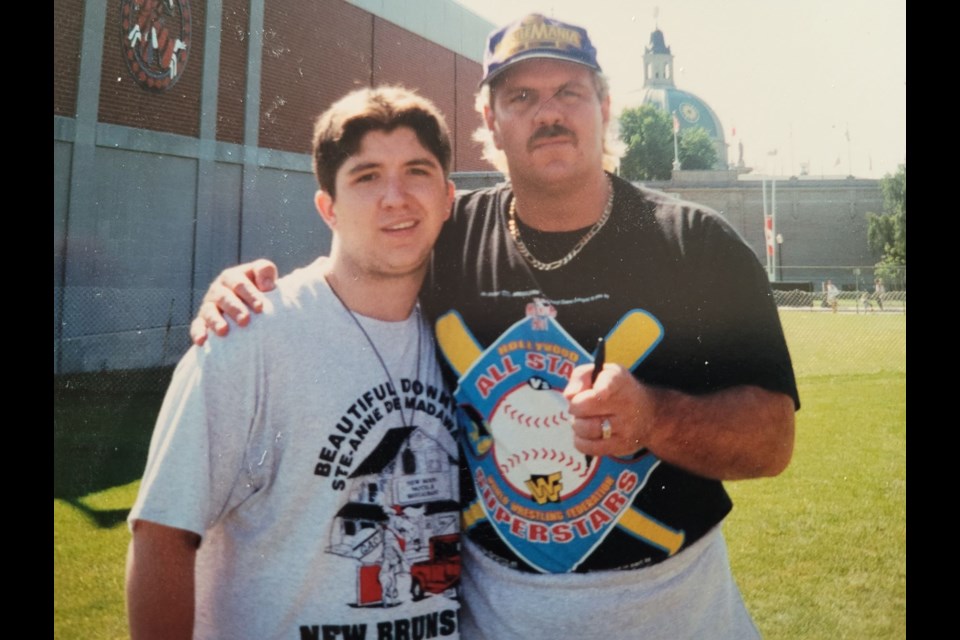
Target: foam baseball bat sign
646, 528
457, 343
634, 336
627, 344
461, 350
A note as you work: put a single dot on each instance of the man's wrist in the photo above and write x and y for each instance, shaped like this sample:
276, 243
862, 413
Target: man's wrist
651, 415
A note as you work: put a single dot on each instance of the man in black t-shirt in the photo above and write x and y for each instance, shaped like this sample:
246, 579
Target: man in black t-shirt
592, 493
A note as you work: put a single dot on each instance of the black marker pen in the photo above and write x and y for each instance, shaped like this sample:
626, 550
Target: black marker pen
599, 355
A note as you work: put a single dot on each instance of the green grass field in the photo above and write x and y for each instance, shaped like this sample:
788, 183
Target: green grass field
819, 552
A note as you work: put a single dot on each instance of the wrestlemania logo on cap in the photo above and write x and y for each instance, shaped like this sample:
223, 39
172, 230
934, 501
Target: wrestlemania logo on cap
536, 36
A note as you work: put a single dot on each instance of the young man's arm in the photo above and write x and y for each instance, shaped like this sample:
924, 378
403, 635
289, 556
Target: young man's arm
160, 581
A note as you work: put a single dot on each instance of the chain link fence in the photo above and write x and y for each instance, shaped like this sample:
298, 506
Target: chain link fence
858, 289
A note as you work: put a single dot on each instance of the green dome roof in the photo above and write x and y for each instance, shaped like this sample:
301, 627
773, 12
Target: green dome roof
691, 111
660, 91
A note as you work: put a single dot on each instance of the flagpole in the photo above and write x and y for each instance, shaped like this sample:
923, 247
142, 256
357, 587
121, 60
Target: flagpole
773, 230
676, 153
766, 240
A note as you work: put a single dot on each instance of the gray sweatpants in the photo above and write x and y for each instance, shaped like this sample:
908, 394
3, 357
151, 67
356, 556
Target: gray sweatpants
692, 595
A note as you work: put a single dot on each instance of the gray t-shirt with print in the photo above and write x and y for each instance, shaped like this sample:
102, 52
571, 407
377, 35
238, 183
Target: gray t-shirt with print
322, 481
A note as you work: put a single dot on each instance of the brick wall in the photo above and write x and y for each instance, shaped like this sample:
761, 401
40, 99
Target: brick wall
67, 31
123, 101
313, 53
232, 81
401, 57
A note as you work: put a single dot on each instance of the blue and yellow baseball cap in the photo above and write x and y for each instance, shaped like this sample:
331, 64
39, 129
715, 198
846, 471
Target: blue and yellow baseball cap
536, 36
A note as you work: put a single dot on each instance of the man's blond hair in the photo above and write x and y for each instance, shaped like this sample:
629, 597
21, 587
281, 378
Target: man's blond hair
613, 148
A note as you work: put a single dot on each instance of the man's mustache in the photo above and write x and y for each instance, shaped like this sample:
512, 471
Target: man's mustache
550, 131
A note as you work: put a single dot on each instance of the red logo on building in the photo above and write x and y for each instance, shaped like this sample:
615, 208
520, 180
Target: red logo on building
156, 40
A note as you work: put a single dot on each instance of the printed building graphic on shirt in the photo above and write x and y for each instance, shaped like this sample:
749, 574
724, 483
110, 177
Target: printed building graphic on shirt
401, 524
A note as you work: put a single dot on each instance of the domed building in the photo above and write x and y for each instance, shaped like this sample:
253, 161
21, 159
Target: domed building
660, 91
823, 220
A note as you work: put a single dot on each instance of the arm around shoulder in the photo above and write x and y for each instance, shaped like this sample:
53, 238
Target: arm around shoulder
160, 581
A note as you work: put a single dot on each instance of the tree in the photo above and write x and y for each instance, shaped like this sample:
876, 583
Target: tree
696, 149
647, 132
887, 232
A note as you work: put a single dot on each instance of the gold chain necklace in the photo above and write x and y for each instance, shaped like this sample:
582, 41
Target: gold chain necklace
577, 248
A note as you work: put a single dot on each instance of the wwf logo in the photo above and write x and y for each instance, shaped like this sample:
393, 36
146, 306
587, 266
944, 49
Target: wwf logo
156, 40
545, 488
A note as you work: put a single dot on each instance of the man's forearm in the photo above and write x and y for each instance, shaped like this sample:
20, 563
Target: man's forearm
741, 432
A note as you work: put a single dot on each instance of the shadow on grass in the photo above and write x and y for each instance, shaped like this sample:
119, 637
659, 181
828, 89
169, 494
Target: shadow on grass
100, 518
101, 432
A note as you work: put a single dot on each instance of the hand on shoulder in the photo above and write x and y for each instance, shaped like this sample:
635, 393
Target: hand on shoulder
233, 294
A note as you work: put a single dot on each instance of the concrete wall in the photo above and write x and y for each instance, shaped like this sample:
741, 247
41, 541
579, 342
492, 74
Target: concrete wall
139, 256
823, 221
130, 263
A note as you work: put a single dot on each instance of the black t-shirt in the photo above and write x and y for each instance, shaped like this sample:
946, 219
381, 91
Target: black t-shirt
675, 274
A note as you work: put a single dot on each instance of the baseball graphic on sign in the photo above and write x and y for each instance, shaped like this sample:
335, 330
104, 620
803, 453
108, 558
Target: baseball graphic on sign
533, 438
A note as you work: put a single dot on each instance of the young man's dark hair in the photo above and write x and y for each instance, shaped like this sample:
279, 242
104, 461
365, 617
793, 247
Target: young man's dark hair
338, 132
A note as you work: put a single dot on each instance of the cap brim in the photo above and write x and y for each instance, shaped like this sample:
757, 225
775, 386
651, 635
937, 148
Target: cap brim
532, 55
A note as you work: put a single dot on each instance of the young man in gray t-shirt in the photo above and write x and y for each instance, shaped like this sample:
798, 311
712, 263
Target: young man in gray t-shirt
302, 479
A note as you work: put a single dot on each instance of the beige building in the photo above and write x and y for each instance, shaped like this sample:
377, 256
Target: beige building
821, 221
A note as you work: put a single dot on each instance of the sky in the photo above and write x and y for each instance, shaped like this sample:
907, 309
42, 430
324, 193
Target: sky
793, 78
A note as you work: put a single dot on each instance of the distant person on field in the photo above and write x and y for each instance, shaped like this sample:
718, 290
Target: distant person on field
832, 293
878, 291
